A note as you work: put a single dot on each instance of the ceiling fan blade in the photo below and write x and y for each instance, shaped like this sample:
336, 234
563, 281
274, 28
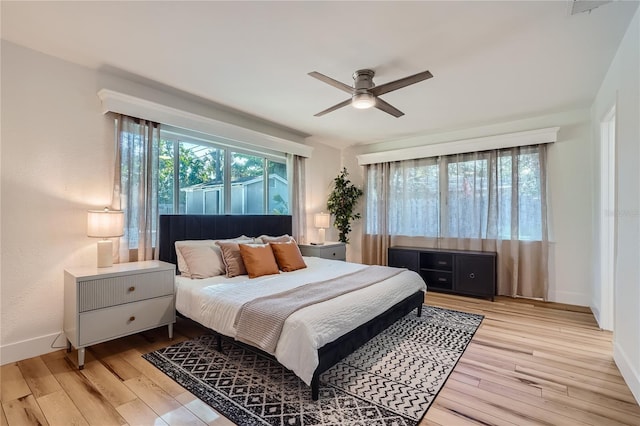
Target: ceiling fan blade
333, 108
388, 108
400, 83
332, 82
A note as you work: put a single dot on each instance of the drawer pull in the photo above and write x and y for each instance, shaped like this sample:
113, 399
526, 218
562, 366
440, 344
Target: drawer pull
472, 275
442, 279
334, 255
132, 318
132, 288
442, 262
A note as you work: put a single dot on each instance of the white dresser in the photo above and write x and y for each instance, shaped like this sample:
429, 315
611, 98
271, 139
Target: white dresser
102, 304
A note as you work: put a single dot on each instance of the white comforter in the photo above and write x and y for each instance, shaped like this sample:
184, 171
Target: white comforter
214, 303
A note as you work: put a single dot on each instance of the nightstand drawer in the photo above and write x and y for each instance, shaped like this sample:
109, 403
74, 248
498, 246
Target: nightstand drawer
104, 292
334, 251
110, 323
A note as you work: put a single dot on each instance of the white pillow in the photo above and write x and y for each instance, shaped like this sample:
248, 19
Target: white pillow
202, 261
201, 258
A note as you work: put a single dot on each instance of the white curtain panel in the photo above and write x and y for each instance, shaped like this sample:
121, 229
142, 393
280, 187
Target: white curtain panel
490, 200
135, 189
297, 196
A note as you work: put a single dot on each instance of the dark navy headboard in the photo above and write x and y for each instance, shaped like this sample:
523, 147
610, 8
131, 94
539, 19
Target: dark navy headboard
179, 227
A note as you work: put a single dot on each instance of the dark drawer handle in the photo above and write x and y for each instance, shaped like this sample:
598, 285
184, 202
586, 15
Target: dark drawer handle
442, 279
334, 255
132, 288
132, 318
472, 275
441, 262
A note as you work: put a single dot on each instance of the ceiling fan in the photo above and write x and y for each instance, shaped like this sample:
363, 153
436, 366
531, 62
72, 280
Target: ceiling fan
364, 93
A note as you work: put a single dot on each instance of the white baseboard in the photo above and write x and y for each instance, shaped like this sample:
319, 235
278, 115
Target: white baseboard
32, 347
570, 298
629, 373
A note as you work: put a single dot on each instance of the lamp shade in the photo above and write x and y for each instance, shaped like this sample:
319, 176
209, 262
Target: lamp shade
321, 220
105, 223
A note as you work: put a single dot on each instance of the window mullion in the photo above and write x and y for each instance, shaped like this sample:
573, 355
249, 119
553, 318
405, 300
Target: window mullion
176, 176
444, 198
226, 171
265, 186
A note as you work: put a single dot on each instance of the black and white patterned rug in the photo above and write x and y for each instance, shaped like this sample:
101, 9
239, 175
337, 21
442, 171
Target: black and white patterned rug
391, 380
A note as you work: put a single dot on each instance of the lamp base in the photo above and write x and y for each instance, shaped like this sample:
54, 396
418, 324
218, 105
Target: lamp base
105, 253
320, 237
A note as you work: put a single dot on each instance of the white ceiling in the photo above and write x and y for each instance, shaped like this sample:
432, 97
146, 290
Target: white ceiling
491, 61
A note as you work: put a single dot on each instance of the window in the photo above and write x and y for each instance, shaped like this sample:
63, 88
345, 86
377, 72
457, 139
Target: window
193, 179
493, 194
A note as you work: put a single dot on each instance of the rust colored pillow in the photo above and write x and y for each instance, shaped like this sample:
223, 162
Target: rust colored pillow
232, 258
288, 256
258, 259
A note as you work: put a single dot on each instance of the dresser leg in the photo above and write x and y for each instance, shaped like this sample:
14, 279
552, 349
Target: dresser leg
80, 358
68, 346
171, 331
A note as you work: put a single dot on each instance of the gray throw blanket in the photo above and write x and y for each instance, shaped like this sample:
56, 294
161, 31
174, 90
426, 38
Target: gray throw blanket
260, 321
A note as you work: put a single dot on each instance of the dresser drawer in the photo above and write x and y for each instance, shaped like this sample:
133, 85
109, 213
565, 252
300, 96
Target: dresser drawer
104, 292
110, 323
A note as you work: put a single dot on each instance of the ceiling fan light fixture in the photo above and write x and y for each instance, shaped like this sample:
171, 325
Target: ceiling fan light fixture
363, 100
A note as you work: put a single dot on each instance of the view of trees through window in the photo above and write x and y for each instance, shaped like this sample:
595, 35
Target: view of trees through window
479, 195
201, 186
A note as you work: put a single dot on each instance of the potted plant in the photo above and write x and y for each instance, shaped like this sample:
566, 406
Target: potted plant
341, 203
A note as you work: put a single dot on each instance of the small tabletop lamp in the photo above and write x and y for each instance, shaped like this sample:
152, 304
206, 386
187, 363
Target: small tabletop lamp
321, 220
105, 224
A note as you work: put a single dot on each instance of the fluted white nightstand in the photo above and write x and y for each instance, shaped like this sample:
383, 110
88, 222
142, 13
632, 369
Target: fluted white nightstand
102, 304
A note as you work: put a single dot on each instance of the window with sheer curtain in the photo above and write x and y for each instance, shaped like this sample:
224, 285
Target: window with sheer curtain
464, 201
163, 172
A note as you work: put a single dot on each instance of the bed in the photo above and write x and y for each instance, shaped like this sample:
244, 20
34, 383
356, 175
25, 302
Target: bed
314, 338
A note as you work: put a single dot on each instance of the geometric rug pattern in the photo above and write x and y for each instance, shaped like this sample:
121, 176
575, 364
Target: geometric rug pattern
390, 380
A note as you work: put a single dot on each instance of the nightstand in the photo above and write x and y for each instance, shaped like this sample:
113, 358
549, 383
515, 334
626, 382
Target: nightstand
102, 304
328, 250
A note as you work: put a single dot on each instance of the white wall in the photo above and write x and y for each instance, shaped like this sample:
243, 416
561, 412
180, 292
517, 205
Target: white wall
57, 162
321, 169
622, 87
570, 172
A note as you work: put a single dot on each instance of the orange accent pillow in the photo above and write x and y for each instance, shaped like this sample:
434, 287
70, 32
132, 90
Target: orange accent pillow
258, 259
288, 256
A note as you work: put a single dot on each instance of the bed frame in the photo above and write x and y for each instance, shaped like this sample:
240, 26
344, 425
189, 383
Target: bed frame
201, 227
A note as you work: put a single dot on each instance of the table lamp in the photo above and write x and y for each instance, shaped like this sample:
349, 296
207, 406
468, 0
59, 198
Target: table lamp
321, 221
105, 224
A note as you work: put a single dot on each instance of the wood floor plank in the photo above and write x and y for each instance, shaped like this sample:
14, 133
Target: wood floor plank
13, 384
58, 408
134, 358
473, 405
24, 411
201, 410
138, 413
107, 384
38, 377
3, 418
95, 408
170, 410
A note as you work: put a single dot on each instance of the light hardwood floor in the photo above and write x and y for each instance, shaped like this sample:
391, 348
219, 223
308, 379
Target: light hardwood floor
529, 363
